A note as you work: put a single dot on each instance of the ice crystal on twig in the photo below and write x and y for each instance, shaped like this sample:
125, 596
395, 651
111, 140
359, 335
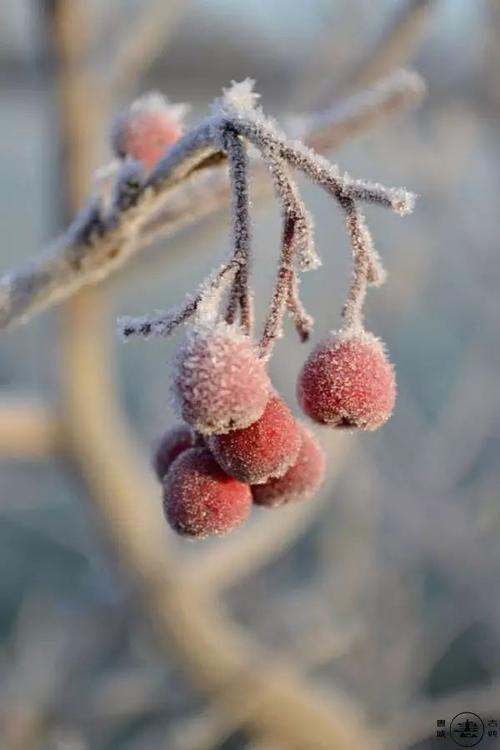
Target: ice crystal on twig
239, 97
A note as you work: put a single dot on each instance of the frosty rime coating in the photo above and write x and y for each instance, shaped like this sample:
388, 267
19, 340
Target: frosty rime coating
267, 448
301, 480
200, 500
348, 381
219, 383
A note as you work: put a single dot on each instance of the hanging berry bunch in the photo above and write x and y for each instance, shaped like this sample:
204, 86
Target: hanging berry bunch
238, 443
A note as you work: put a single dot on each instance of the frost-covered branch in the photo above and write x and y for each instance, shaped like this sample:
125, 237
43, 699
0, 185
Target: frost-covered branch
236, 117
101, 238
272, 327
362, 249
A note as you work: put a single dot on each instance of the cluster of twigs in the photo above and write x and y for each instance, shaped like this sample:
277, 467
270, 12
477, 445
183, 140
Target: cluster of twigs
235, 121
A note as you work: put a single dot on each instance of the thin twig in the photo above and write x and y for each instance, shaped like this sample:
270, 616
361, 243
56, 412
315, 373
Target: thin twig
302, 321
286, 292
272, 326
240, 210
362, 250
321, 171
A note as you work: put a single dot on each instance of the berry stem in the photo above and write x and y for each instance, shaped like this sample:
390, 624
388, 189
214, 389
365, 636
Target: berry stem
362, 250
240, 209
303, 244
303, 322
272, 326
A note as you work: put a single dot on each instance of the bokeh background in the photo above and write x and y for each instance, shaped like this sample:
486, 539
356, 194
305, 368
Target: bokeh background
384, 594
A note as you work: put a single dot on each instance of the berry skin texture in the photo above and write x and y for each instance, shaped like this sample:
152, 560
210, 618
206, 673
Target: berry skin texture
219, 382
348, 382
146, 130
200, 500
267, 448
300, 481
174, 442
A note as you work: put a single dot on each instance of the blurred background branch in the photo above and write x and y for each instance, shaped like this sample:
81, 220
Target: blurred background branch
142, 41
29, 428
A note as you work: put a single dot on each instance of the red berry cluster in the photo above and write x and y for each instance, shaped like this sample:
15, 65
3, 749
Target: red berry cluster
241, 442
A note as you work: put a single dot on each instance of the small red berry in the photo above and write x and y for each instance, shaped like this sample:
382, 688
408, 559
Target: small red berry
267, 448
219, 383
175, 441
147, 129
348, 381
200, 500
300, 481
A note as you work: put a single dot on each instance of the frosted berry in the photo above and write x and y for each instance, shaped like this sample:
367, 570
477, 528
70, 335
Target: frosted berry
267, 448
300, 481
147, 129
219, 382
349, 382
200, 500
169, 446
